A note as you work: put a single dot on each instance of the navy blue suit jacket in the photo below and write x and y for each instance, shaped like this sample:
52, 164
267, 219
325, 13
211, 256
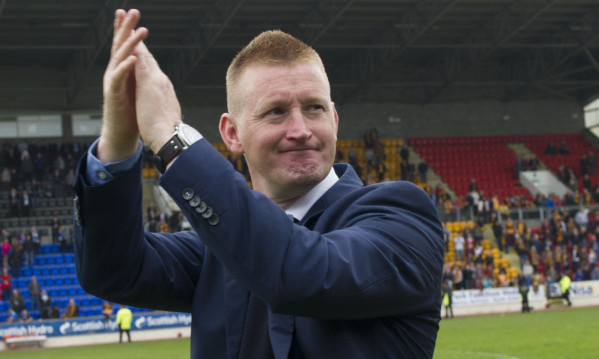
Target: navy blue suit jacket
358, 278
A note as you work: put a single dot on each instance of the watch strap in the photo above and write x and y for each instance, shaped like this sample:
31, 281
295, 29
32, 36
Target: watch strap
167, 153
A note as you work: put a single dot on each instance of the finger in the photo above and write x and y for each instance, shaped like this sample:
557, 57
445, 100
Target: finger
145, 58
121, 72
124, 24
127, 48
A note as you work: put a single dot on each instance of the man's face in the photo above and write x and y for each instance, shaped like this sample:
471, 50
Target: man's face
286, 127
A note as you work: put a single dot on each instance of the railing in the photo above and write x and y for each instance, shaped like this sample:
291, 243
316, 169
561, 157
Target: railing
528, 215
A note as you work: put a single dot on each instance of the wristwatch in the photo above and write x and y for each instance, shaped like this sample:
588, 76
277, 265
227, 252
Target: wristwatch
183, 137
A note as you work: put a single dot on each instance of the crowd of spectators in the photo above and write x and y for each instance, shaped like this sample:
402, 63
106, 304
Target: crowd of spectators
563, 244
30, 171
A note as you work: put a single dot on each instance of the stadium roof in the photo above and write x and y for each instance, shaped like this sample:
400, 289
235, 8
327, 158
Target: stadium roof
53, 53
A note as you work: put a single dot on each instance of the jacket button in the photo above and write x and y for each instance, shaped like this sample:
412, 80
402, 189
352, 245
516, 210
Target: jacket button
187, 194
195, 201
207, 213
201, 208
213, 220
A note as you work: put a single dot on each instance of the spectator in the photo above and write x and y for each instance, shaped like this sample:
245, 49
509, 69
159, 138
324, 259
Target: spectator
563, 148
6, 249
422, 171
591, 163
15, 259
72, 310
35, 238
17, 302
62, 240
459, 241
25, 317
106, 311
45, 305
6, 283
12, 316
458, 277
34, 292
55, 226
28, 250
550, 150
13, 202
25, 204
55, 312
5, 178
468, 275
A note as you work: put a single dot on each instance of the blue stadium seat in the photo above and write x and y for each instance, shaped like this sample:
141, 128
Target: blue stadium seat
63, 269
69, 258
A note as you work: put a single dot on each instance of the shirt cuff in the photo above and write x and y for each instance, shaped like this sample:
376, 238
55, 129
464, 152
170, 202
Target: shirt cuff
99, 173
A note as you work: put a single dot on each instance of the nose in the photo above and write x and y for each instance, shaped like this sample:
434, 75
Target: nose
298, 126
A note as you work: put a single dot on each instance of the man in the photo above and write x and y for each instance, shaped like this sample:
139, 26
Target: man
358, 275
564, 284
123, 320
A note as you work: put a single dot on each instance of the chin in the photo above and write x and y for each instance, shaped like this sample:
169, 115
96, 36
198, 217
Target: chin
305, 175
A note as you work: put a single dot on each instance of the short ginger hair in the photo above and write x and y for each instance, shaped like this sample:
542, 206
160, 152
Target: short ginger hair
270, 48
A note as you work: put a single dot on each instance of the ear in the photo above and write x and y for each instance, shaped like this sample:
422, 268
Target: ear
336, 119
229, 133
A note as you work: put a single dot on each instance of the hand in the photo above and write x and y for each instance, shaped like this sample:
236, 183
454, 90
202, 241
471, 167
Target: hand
156, 102
120, 134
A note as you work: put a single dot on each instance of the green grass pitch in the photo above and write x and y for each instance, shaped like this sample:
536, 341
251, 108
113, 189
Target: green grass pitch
542, 334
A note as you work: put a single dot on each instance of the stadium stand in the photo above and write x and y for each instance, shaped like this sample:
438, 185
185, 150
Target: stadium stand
487, 159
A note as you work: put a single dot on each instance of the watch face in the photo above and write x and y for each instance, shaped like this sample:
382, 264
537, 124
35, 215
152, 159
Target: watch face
189, 134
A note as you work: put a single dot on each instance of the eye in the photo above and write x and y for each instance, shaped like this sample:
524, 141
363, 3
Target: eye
275, 111
315, 107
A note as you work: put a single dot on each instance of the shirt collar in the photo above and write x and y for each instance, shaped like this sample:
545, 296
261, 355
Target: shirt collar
300, 207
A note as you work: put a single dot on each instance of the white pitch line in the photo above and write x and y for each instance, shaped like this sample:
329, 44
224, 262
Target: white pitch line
481, 354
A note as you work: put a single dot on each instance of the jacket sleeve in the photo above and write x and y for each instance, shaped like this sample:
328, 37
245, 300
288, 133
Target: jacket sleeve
117, 261
378, 253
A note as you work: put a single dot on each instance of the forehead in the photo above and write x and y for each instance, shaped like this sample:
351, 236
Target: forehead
273, 80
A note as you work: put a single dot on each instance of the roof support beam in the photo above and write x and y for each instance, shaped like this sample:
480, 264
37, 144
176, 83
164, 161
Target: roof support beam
361, 67
200, 40
82, 60
503, 27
